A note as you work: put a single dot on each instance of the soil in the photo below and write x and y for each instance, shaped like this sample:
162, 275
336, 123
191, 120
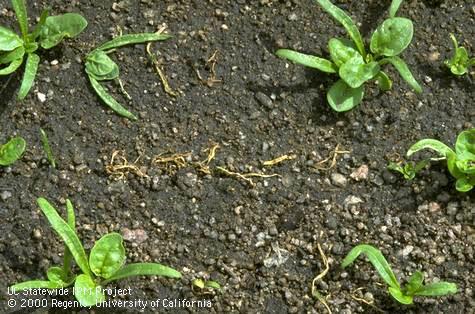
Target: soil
260, 240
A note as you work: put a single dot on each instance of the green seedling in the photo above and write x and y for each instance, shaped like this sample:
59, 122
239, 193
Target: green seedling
105, 263
461, 162
353, 64
205, 286
47, 148
460, 61
49, 32
414, 286
408, 170
100, 67
12, 151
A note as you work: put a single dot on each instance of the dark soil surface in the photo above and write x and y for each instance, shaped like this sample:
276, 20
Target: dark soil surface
259, 241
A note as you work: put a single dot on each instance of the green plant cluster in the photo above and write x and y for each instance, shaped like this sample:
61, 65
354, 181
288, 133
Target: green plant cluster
415, 285
106, 262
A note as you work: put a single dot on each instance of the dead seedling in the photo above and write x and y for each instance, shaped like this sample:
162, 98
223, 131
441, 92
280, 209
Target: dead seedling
332, 157
246, 176
278, 160
119, 166
315, 293
211, 65
171, 162
203, 166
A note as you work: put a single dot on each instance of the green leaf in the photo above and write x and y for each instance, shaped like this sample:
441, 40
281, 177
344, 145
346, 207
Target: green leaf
12, 151
397, 294
342, 97
340, 16
459, 62
437, 289
47, 148
404, 71
58, 27
463, 185
109, 100
414, 283
143, 269
342, 50
107, 256
9, 40
12, 67
132, 39
212, 284
199, 283
465, 145
442, 149
13, 55
377, 259
310, 61
394, 7
71, 220
101, 67
384, 82
35, 284
87, 292
355, 71
392, 37
21, 15
30, 47
57, 274
68, 235
31, 67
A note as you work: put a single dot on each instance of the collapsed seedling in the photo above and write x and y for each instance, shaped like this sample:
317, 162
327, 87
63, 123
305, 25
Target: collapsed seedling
353, 64
119, 166
315, 293
100, 67
106, 261
408, 170
278, 160
12, 151
414, 286
460, 61
49, 32
461, 162
332, 158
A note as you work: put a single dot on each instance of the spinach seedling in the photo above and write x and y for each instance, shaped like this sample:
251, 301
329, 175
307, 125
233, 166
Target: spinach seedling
49, 32
47, 148
461, 162
408, 170
460, 61
353, 64
100, 67
414, 286
105, 263
12, 151
205, 286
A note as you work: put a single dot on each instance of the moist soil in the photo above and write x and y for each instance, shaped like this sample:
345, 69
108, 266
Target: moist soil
258, 238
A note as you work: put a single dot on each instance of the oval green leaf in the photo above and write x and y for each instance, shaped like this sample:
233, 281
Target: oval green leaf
107, 256
342, 50
19, 7
463, 185
310, 61
465, 145
144, 269
35, 284
87, 292
12, 151
437, 289
60, 26
57, 274
101, 67
342, 97
384, 82
9, 40
31, 68
392, 37
355, 71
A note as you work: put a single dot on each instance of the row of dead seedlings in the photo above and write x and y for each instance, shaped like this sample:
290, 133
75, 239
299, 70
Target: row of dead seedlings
119, 167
